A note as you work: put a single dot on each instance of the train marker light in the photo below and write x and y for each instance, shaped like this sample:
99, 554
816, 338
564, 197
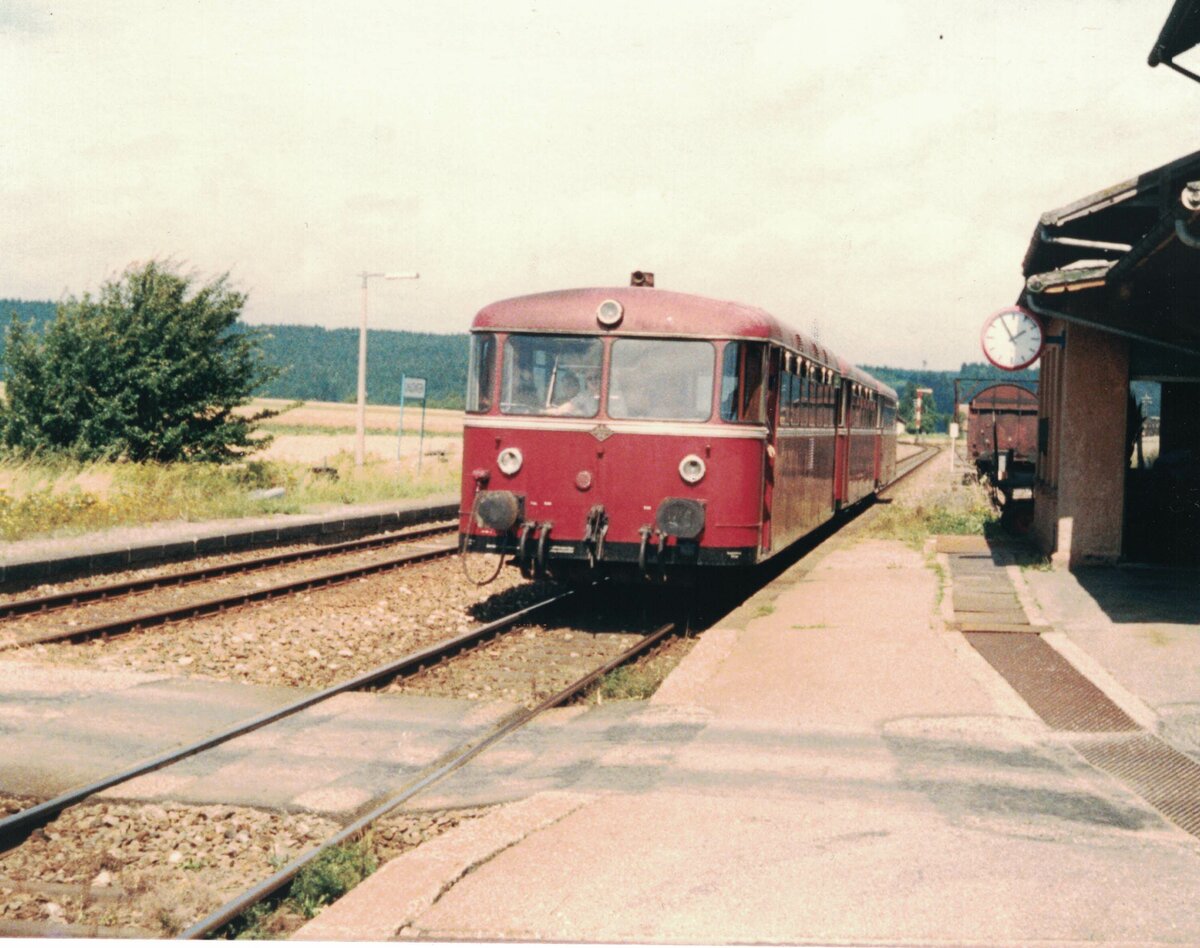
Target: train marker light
692, 469
510, 460
609, 313
680, 517
583, 480
497, 510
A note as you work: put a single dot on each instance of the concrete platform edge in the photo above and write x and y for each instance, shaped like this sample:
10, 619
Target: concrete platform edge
382, 905
92, 554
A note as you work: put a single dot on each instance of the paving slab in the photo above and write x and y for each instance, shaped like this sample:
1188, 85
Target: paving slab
63, 728
997, 601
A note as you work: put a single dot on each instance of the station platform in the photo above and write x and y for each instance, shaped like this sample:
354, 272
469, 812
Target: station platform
847, 759
49, 559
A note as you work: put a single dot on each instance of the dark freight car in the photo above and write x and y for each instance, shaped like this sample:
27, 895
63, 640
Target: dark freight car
1002, 430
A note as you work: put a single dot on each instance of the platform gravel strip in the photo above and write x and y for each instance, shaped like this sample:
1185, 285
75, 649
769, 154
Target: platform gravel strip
1165, 778
1049, 684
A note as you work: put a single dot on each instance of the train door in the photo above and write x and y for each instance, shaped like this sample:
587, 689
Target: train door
772, 447
841, 454
877, 438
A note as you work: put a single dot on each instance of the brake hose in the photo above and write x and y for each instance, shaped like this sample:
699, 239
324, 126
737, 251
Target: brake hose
462, 556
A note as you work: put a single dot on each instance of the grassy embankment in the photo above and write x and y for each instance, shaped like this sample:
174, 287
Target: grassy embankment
59, 497
54, 496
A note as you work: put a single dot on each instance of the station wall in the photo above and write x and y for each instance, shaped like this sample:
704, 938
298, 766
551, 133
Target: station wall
1080, 489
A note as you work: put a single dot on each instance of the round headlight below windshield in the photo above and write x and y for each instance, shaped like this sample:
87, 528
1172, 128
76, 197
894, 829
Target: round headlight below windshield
692, 469
510, 460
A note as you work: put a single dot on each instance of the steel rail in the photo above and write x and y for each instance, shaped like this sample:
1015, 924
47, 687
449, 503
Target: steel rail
240, 904
64, 600
221, 603
14, 828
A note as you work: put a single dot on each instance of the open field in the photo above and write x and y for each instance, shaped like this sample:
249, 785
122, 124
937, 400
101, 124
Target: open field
379, 418
315, 433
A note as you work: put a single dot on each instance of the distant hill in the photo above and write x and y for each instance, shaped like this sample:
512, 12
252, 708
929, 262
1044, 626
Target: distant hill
40, 312
322, 364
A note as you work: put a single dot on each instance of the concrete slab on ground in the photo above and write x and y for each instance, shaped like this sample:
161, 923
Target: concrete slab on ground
61, 728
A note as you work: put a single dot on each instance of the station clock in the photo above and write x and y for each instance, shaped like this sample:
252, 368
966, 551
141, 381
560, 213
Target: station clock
1012, 339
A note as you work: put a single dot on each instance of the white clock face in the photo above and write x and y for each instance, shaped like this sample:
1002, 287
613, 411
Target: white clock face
1012, 339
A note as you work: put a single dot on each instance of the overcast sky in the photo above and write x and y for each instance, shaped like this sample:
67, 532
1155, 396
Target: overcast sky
870, 169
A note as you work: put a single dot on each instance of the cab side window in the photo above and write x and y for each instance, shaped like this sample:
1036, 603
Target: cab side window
742, 365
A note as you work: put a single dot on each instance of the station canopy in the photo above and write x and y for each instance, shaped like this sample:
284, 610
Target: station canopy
1179, 34
1125, 260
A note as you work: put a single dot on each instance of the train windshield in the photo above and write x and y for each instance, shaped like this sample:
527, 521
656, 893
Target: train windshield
668, 379
551, 375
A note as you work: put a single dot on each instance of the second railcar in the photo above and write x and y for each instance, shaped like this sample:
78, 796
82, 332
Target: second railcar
644, 433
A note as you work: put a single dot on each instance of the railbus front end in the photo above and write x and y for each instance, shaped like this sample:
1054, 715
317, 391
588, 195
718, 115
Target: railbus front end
646, 435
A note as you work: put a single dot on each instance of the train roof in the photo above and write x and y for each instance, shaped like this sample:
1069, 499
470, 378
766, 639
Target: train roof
653, 312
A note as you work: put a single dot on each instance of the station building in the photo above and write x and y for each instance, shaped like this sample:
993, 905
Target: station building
1115, 279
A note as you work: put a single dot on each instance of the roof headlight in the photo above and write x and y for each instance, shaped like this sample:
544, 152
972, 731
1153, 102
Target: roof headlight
692, 469
510, 460
609, 313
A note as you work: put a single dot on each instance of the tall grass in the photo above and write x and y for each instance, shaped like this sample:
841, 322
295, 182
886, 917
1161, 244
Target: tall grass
959, 510
54, 496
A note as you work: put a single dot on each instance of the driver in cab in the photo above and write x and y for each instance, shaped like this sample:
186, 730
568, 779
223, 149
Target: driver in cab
577, 396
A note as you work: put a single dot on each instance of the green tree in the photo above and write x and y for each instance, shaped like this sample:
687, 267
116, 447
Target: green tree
152, 369
931, 419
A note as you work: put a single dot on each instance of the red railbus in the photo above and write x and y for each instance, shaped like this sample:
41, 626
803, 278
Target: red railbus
644, 433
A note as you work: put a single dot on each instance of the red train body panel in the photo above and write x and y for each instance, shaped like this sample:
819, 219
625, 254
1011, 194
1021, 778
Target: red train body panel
642, 431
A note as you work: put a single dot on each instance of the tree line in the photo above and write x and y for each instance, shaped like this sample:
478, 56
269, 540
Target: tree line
321, 364
153, 367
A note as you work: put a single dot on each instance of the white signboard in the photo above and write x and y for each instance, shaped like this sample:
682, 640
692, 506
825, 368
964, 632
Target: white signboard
414, 388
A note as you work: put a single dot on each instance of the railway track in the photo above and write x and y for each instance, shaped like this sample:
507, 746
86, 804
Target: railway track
19, 611
18, 827
457, 759
109, 591
910, 464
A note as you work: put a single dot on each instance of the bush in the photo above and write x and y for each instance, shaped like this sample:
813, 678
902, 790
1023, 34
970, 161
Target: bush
331, 875
149, 371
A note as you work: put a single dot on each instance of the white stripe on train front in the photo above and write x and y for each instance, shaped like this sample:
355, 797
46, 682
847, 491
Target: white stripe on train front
587, 426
